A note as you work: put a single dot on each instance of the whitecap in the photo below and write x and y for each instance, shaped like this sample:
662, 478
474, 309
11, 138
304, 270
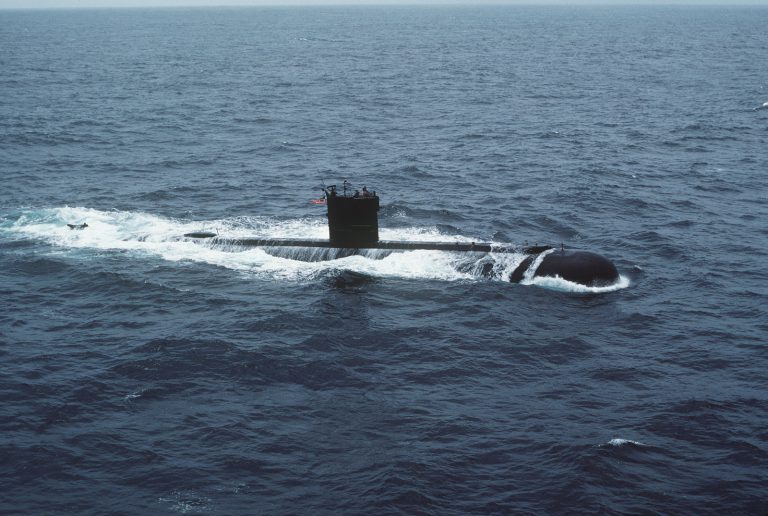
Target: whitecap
622, 442
186, 502
132, 396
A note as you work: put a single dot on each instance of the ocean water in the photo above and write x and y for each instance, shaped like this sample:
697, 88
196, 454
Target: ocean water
145, 373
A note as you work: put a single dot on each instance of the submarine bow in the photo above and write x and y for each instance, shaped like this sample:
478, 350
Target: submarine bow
582, 267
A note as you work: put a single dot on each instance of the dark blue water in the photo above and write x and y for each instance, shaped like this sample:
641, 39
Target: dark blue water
142, 373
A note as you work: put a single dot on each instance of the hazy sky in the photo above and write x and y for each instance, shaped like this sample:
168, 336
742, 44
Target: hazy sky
15, 4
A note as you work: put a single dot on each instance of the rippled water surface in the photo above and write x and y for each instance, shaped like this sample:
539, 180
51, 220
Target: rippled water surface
146, 373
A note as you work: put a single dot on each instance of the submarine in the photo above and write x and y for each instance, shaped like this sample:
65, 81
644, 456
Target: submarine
353, 225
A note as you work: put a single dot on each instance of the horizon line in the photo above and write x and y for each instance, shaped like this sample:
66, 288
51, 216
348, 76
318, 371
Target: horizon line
394, 3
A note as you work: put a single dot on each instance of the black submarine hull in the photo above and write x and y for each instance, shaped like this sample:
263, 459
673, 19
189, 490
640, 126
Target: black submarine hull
582, 267
353, 225
479, 247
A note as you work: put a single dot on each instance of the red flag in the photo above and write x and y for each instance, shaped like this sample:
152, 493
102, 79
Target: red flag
318, 201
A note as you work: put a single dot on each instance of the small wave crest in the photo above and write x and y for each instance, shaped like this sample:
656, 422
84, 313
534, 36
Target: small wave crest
624, 442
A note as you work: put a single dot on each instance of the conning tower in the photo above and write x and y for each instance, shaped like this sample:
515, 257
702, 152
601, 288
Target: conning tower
353, 221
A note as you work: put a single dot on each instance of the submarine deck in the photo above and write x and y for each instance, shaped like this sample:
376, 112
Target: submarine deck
480, 247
